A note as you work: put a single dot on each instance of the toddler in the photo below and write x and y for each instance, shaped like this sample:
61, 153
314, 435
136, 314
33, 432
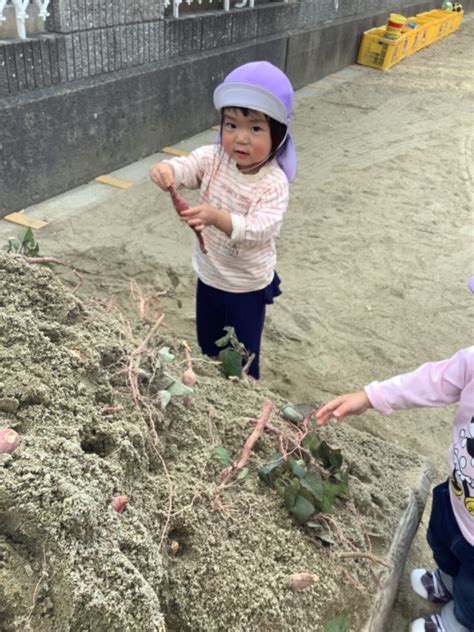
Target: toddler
243, 181
451, 525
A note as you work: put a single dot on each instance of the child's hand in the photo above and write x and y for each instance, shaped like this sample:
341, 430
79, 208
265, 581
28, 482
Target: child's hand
339, 408
162, 174
198, 217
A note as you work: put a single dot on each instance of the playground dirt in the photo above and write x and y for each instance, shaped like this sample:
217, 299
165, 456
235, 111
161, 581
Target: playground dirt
374, 255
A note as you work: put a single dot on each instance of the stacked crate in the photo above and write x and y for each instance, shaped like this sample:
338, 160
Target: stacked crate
380, 52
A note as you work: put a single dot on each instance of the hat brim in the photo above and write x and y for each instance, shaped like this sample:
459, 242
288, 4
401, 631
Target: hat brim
250, 96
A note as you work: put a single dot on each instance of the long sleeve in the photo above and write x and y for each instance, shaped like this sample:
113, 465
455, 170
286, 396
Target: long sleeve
433, 384
189, 170
264, 219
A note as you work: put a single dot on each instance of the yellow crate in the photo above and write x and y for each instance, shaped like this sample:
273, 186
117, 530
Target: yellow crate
457, 19
420, 34
379, 52
417, 37
437, 25
448, 16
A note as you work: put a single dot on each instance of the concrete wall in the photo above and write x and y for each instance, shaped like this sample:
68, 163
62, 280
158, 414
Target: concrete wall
67, 117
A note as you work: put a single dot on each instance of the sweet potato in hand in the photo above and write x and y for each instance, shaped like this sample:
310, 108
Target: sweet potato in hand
181, 205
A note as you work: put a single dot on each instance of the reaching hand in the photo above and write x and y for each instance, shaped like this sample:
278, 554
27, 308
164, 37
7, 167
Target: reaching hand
339, 408
162, 174
198, 217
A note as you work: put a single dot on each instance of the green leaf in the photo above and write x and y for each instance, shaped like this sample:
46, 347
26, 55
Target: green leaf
342, 477
243, 474
15, 245
280, 487
165, 355
164, 398
331, 458
312, 443
223, 456
231, 362
297, 469
341, 623
265, 469
291, 413
291, 493
25, 236
222, 342
302, 510
176, 388
314, 484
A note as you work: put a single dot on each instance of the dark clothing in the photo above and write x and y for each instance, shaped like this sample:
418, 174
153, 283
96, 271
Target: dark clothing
453, 554
245, 311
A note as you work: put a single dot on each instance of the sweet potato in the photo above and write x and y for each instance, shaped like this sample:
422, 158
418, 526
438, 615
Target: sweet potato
181, 205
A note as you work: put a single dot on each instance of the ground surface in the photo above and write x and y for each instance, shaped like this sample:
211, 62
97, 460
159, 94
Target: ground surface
374, 254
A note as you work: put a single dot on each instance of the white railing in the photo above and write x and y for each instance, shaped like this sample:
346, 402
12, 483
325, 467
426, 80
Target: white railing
226, 4
20, 7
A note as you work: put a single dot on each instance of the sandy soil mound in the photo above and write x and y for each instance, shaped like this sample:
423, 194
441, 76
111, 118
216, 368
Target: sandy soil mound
68, 561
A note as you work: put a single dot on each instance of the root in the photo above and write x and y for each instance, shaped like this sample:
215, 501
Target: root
43, 576
58, 262
227, 478
148, 305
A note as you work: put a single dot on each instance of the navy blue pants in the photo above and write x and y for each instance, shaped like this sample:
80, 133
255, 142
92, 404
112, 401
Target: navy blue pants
245, 312
453, 554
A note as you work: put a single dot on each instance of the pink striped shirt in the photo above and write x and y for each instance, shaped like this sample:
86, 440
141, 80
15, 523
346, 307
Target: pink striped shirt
246, 261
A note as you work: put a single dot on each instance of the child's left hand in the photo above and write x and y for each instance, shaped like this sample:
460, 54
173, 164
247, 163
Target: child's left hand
198, 217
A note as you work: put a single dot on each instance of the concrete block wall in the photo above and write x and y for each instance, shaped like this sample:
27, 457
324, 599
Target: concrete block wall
66, 117
90, 38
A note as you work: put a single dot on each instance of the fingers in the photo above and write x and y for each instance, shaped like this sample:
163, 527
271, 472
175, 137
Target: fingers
163, 176
336, 409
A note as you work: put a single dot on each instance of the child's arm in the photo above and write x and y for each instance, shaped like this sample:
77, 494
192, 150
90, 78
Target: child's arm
186, 171
433, 384
206, 215
339, 408
262, 222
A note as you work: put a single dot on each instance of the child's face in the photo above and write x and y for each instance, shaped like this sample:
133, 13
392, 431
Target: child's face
246, 139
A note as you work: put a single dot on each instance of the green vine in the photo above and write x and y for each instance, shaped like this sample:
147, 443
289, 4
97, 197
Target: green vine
311, 484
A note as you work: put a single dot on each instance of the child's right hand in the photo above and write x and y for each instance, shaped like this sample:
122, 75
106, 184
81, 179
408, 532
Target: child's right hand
339, 408
162, 174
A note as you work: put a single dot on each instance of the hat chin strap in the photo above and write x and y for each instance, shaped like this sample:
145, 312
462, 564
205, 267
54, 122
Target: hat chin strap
270, 155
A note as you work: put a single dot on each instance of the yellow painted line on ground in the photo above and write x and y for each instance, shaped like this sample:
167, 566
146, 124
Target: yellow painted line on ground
216, 128
174, 152
24, 220
114, 182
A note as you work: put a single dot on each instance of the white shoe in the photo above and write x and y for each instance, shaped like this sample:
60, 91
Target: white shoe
429, 585
431, 623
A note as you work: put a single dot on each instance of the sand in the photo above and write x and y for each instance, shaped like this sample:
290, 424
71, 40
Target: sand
374, 256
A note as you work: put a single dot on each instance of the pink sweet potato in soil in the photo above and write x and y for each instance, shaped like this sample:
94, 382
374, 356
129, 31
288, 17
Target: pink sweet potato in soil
9, 440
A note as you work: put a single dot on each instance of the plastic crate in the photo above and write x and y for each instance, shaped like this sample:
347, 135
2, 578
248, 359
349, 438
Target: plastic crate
449, 17
457, 19
379, 52
416, 37
421, 39
437, 25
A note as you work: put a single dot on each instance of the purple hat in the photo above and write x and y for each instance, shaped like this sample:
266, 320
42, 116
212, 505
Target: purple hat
262, 87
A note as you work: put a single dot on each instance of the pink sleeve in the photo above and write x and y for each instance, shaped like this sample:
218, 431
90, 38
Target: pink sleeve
432, 384
264, 219
189, 170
